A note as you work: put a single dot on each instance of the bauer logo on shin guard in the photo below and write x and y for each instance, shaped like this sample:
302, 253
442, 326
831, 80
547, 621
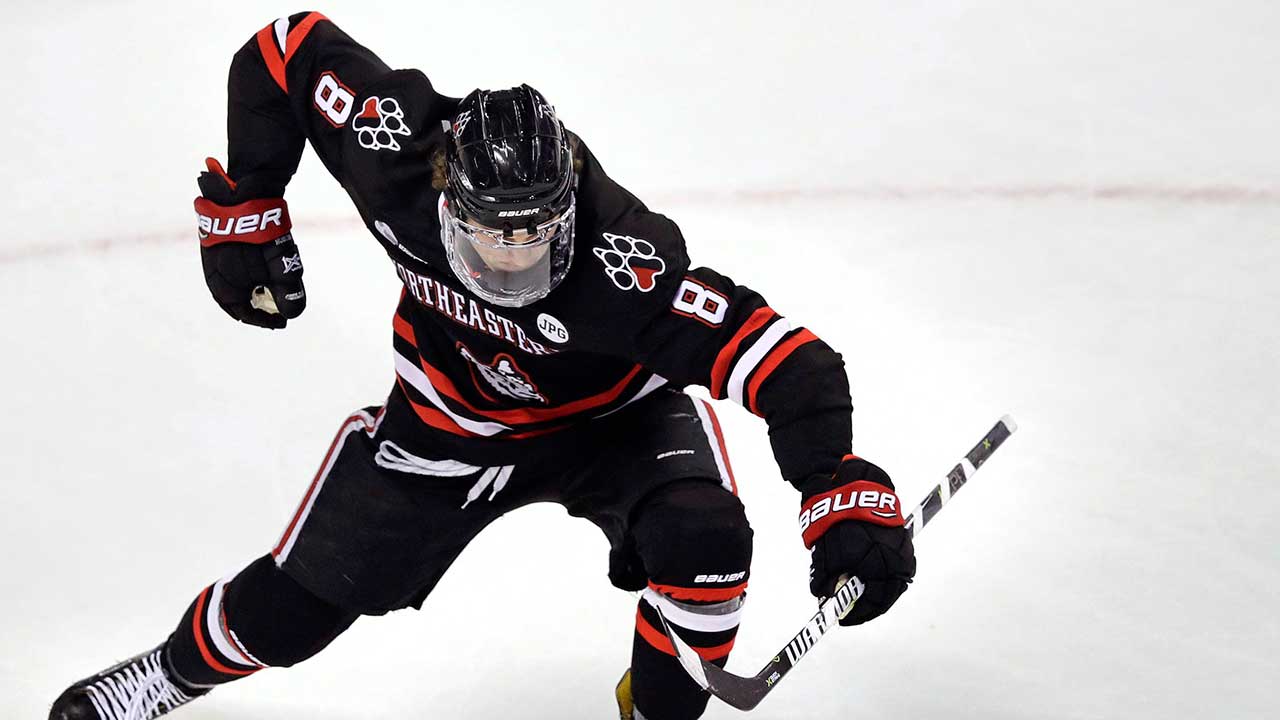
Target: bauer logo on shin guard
732, 577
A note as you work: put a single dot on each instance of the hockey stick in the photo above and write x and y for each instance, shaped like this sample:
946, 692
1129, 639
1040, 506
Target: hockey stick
745, 693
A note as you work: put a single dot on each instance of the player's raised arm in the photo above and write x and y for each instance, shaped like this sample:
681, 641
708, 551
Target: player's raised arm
724, 336
294, 80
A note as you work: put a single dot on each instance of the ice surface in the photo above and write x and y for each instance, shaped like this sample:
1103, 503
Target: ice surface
1065, 211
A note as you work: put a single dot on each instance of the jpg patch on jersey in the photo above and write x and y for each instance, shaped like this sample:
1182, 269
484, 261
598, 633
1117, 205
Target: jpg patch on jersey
630, 262
379, 121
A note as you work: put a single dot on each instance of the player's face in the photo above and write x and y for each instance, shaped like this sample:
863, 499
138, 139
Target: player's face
512, 256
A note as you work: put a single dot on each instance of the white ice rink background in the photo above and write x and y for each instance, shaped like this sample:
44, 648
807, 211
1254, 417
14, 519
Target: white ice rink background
1069, 211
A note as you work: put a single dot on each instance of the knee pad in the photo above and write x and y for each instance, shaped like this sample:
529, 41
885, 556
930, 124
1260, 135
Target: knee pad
277, 619
694, 542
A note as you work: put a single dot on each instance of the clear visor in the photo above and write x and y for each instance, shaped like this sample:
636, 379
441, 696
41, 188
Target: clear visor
511, 271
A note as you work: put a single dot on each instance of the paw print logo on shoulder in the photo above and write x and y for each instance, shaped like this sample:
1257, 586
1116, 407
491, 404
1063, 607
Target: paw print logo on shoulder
379, 122
631, 263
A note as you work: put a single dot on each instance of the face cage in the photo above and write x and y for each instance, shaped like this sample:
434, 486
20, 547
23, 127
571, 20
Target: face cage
476, 254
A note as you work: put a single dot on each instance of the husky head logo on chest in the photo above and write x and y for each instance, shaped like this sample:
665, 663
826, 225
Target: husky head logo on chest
502, 375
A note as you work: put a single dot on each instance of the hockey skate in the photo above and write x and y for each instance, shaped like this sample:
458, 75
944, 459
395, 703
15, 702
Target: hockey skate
626, 706
137, 689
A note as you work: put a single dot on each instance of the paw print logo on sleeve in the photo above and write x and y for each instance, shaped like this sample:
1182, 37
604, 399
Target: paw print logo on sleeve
379, 122
630, 262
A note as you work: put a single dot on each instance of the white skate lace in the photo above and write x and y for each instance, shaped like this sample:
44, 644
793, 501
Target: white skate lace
136, 691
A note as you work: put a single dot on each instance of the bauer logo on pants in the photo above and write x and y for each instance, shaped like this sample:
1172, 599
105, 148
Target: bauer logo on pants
379, 121
631, 262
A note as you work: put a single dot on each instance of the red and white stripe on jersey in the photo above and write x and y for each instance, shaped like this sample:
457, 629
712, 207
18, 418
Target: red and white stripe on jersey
358, 421
412, 373
278, 43
439, 403
752, 354
450, 412
715, 438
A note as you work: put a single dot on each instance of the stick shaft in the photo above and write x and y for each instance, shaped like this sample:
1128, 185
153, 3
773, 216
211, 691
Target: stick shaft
959, 475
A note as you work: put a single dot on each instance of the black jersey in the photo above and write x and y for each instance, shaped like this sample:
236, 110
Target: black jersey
630, 317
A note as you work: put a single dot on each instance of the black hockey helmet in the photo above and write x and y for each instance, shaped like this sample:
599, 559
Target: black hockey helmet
509, 152
509, 191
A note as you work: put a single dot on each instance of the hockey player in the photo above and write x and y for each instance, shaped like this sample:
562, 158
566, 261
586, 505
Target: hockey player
547, 326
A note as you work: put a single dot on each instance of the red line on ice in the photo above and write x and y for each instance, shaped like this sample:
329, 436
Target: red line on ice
1120, 192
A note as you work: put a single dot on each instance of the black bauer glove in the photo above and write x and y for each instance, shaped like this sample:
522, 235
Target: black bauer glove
853, 524
251, 263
